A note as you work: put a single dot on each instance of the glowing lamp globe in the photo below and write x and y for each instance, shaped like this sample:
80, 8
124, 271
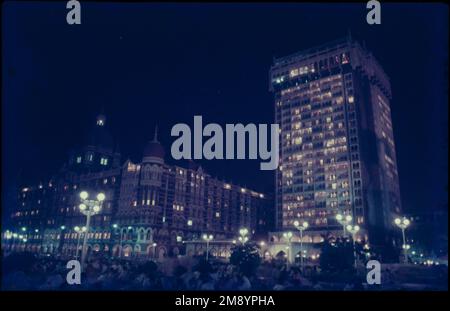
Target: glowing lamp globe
101, 196
84, 195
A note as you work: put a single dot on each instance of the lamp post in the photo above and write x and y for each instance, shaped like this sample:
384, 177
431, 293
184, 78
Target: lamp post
15, 236
403, 223
22, 237
79, 231
288, 236
262, 244
207, 238
89, 208
9, 236
243, 235
301, 227
62, 239
353, 230
154, 250
344, 220
116, 226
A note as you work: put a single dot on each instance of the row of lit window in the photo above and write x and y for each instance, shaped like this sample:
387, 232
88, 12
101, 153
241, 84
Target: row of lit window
90, 158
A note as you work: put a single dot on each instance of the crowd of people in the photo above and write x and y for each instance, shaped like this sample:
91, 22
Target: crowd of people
26, 271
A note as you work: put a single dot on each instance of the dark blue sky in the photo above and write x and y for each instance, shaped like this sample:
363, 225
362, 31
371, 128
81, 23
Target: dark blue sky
148, 63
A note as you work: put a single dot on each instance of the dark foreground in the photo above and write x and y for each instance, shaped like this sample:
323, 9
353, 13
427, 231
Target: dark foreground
26, 271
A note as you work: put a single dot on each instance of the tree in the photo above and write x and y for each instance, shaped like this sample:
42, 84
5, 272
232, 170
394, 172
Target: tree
246, 258
336, 256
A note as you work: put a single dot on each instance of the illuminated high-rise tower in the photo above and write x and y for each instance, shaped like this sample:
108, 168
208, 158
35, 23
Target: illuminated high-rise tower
337, 151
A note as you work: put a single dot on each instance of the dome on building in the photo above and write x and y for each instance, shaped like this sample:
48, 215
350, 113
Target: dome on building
154, 149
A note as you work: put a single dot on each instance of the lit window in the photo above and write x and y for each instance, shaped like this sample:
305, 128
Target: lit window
189, 222
104, 161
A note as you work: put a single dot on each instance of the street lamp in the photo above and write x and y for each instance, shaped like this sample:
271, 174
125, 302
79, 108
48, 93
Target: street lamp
79, 231
115, 226
154, 250
9, 236
288, 236
207, 238
344, 220
353, 230
15, 236
301, 227
403, 223
262, 244
89, 208
243, 235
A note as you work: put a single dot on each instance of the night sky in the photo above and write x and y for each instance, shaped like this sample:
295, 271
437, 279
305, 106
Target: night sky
152, 63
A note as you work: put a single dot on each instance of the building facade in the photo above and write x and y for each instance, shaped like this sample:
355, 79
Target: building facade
151, 209
47, 213
170, 205
337, 150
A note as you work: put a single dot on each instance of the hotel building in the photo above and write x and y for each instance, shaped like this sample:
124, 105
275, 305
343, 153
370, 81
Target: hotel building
337, 150
152, 209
